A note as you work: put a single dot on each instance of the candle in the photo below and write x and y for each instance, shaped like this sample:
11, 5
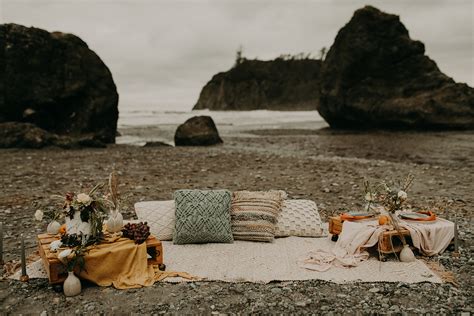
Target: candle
1, 243
456, 240
24, 277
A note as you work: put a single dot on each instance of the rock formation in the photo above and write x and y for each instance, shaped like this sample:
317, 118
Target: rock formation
54, 81
375, 76
273, 85
27, 135
197, 131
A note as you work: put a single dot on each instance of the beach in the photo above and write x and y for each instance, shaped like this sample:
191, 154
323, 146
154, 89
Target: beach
307, 161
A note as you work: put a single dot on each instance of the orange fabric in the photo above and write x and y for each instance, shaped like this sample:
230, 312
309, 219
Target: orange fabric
122, 263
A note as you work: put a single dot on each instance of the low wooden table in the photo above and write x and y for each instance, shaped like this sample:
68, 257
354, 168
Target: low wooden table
389, 242
57, 272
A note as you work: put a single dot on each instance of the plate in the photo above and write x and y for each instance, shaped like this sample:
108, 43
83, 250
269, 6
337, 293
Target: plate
360, 214
414, 216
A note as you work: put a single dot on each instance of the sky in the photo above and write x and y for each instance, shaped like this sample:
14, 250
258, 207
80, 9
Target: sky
161, 53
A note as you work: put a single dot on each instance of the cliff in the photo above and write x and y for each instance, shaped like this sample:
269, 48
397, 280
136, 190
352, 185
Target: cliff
279, 84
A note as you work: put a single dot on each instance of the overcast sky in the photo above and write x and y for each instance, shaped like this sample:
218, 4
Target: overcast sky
161, 53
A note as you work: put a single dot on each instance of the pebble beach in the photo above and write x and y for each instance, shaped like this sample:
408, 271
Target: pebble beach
319, 164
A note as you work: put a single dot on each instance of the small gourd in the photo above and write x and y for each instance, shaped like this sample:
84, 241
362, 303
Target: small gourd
115, 222
53, 228
384, 220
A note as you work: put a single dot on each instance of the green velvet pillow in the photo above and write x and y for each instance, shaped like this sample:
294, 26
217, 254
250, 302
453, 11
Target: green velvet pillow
202, 217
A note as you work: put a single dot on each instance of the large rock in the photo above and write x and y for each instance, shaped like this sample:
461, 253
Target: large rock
273, 85
197, 131
56, 82
27, 135
375, 76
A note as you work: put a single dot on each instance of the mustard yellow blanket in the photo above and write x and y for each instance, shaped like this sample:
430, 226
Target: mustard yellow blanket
122, 263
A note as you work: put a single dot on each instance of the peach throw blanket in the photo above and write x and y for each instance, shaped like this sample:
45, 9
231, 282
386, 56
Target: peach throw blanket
122, 263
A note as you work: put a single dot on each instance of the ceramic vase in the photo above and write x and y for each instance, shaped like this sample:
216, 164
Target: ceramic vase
115, 222
407, 255
53, 228
72, 285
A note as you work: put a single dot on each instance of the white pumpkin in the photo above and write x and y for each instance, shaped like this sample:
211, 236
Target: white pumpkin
115, 222
53, 228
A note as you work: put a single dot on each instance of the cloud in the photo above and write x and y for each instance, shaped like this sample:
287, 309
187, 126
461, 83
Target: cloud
163, 52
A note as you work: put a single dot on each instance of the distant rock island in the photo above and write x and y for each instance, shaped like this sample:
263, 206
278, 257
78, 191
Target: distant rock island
376, 76
280, 84
55, 82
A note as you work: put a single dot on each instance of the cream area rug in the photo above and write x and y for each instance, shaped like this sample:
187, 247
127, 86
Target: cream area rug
245, 261
281, 261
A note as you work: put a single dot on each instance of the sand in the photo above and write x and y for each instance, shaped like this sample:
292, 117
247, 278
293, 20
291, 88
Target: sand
318, 164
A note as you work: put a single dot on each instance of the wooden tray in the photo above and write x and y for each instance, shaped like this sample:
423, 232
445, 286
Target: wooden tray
387, 240
57, 272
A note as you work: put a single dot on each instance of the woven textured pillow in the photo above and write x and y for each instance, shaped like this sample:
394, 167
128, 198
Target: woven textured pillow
299, 218
202, 217
159, 215
254, 214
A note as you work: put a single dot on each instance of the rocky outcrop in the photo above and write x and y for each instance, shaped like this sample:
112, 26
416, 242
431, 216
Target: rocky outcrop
27, 135
54, 81
273, 85
197, 131
375, 76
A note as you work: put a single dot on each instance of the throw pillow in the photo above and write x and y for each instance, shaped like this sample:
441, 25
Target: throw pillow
159, 215
254, 214
202, 217
299, 218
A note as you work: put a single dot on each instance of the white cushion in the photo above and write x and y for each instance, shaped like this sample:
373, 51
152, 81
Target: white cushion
299, 218
160, 216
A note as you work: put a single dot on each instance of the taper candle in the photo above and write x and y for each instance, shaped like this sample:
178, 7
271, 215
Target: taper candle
1, 243
456, 238
23, 257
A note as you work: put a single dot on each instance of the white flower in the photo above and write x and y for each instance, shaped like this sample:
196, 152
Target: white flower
402, 195
63, 255
84, 199
39, 215
55, 245
369, 197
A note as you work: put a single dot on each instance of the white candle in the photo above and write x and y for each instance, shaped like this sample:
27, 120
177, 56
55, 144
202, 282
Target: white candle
456, 240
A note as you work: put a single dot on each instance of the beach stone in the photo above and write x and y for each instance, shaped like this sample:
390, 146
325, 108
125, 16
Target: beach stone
197, 131
54, 81
156, 144
376, 76
27, 135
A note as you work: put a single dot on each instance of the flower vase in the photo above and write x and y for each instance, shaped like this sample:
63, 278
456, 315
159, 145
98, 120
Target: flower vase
72, 285
407, 255
115, 222
53, 228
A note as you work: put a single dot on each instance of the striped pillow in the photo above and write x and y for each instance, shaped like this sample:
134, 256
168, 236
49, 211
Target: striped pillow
255, 214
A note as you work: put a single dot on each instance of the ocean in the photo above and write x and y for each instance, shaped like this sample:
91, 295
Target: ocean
138, 126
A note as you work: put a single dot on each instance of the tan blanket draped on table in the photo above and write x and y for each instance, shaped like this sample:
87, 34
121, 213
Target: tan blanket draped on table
431, 238
122, 263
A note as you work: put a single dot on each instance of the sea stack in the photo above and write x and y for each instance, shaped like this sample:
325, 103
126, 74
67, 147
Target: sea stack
376, 76
54, 81
280, 84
